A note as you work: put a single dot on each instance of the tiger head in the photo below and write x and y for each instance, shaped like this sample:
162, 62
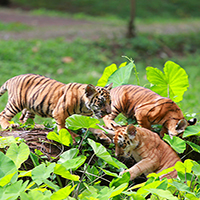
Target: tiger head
125, 140
177, 126
99, 100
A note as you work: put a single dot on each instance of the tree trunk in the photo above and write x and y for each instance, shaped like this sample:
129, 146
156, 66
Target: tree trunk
131, 25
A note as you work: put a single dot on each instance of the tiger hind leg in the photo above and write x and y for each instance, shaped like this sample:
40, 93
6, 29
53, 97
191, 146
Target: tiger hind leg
7, 114
26, 114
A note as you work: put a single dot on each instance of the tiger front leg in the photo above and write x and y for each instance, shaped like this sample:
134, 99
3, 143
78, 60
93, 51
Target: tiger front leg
60, 122
145, 166
109, 121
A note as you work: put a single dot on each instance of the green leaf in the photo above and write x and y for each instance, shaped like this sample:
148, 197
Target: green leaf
195, 147
136, 196
6, 141
176, 143
185, 167
165, 171
101, 152
18, 154
119, 189
74, 163
76, 122
172, 83
162, 193
68, 155
34, 195
62, 193
108, 71
121, 76
192, 130
16, 188
63, 137
7, 179
61, 170
156, 184
109, 173
196, 169
7, 166
181, 187
42, 172
125, 178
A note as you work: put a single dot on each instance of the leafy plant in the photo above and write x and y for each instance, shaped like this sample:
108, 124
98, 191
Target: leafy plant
172, 83
117, 76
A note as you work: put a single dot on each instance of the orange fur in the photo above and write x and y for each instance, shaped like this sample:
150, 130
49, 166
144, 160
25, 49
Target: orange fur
148, 108
35, 94
151, 153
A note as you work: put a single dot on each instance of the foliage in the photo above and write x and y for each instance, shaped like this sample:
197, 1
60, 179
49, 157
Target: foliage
145, 10
77, 174
13, 26
173, 83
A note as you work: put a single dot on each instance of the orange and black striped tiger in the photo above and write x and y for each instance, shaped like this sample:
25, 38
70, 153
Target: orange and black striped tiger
147, 108
36, 94
151, 153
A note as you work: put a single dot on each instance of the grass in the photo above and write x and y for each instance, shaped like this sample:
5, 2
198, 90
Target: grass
13, 26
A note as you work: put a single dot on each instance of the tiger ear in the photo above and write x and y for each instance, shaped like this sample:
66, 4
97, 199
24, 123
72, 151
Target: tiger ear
181, 125
192, 121
90, 90
109, 87
131, 130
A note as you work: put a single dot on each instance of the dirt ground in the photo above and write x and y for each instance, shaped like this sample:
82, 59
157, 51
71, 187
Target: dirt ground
44, 27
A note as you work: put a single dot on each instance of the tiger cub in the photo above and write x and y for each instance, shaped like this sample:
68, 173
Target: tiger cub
36, 94
151, 153
147, 108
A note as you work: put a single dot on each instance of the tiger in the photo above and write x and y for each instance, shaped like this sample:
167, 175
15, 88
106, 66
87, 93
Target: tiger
151, 153
39, 95
148, 108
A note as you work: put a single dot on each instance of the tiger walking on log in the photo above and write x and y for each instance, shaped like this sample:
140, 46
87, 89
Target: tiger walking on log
36, 94
151, 153
147, 108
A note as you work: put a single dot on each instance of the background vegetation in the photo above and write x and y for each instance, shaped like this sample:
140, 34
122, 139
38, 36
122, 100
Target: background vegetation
86, 59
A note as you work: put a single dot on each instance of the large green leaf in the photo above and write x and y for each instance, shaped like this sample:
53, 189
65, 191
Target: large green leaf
119, 189
156, 184
18, 154
63, 137
185, 167
172, 83
194, 146
176, 143
62, 193
34, 195
7, 166
74, 163
192, 130
121, 76
108, 71
76, 122
162, 193
101, 152
41, 172
68, 155
181, 187
61, 170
